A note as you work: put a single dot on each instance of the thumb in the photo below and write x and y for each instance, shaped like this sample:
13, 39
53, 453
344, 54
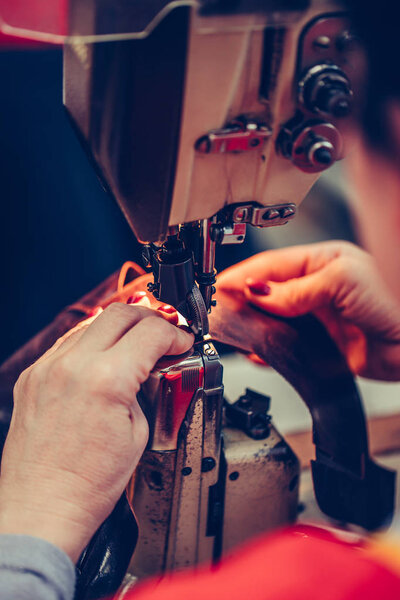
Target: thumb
293, 297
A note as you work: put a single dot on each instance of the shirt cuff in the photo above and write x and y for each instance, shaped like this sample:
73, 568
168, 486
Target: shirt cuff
27, 554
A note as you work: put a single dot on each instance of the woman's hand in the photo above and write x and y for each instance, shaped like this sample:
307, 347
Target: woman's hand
77, 431
340, 284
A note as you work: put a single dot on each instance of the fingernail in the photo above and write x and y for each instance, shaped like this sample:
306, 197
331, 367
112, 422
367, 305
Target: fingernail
167, 308
136, 297
259, 288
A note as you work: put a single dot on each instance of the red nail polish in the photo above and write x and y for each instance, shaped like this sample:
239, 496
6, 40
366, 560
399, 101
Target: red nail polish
167, 308
136, 297
259, 288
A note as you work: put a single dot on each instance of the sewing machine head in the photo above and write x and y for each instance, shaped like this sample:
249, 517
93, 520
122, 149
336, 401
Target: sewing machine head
206, 114
215, 105
194, 106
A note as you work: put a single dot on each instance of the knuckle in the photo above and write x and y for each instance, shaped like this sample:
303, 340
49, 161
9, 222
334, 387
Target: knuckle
62, 368
116, 309
346, 249
100, 376
29, 382
343, 268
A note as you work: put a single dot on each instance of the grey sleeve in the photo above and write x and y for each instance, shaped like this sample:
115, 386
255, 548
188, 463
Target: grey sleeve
33, 569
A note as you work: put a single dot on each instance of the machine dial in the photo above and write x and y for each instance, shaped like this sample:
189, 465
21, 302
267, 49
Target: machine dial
326, 89
312, 146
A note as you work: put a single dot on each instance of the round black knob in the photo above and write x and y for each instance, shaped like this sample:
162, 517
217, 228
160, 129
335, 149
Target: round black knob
333, 99
326, 89
312, 146
323, 156
320, 151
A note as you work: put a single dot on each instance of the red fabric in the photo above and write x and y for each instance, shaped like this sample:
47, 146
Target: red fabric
17, 43
34, 15
301, 563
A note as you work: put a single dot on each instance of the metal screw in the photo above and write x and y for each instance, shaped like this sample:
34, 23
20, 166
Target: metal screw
322, 42
186, 471
240, 214
234, 476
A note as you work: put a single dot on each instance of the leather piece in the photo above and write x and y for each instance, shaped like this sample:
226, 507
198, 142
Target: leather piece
105, 561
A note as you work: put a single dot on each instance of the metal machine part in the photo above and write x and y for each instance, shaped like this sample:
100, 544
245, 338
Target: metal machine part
312, 146
205, 271
250, 414
174, 281
240, 136
325, 89
171, 490
229, 226
329, 72
261, 485
185, 492
261, 216
183, 266
227, 84
68, 22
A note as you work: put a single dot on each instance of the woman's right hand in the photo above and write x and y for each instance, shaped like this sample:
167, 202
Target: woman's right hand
341, 285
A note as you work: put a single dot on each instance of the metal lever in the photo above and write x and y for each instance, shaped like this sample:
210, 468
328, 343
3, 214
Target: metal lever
241, 135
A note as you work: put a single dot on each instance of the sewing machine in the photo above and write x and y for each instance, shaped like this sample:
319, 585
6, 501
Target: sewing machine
203, 118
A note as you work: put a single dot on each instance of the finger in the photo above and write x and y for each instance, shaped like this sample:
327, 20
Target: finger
295, 297
66, 341
152, 338
112, 324
282, 264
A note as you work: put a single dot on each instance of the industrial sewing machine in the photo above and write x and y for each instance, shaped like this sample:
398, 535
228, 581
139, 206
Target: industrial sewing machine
203, 118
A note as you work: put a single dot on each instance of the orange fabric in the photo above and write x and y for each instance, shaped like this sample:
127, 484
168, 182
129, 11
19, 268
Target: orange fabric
301, 563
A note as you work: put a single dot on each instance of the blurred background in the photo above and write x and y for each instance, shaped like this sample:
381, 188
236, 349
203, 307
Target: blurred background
61, 234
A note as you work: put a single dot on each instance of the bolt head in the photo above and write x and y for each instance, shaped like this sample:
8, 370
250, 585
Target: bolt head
322, 42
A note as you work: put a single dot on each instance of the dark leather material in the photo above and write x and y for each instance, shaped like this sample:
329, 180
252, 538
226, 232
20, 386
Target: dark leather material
105, 561
349, 486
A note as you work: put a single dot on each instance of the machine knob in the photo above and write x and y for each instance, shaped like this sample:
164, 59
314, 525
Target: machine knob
326, 89
312, 146
320, 152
